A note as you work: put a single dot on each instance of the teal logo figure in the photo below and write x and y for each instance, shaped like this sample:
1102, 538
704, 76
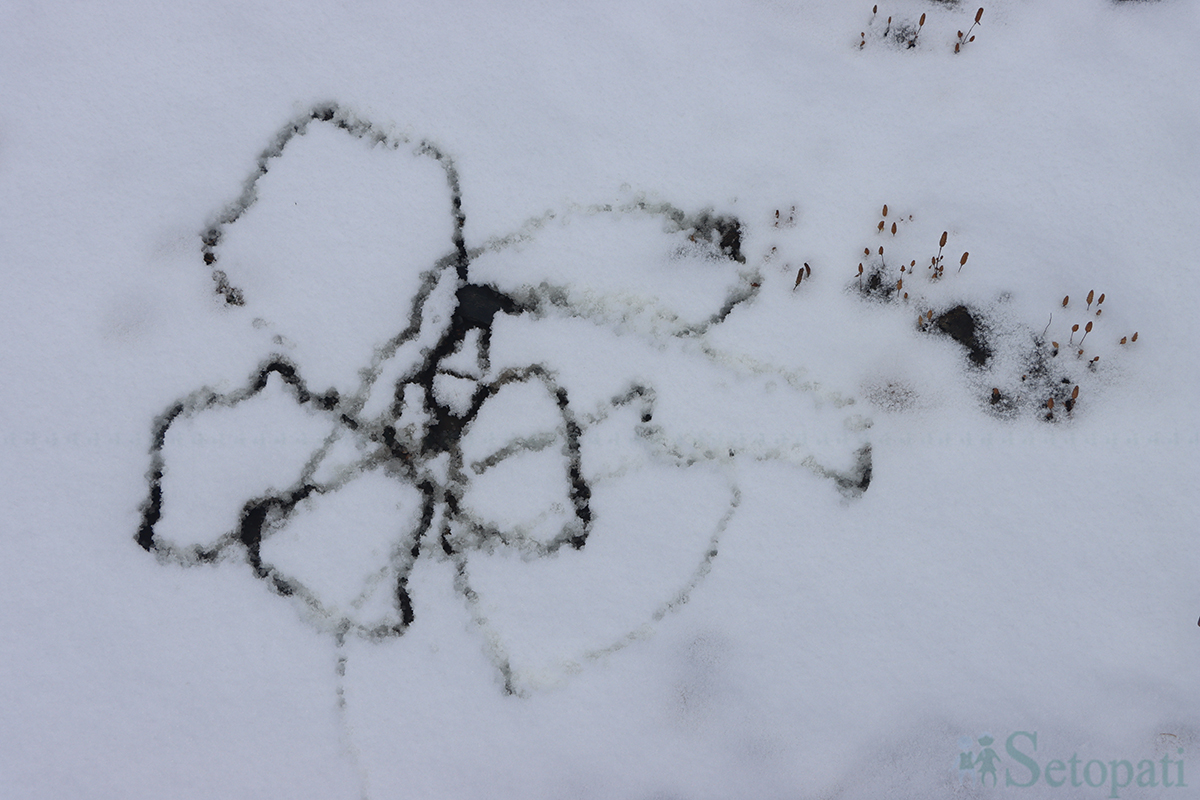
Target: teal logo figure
986, 760
982, 767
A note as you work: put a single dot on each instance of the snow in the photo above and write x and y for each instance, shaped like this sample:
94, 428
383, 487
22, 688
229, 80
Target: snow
742, 619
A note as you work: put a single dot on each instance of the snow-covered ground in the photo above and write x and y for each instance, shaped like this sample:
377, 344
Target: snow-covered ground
487, 446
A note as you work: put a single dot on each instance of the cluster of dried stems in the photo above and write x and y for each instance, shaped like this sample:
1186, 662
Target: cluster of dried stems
907, 35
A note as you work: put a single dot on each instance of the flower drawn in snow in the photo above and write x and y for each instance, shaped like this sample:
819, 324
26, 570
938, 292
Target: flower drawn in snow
548, 483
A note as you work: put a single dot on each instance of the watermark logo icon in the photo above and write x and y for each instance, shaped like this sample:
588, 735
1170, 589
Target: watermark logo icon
979, 767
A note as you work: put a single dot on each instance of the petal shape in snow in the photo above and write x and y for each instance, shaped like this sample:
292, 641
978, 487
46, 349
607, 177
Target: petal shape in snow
213, 453
331, 238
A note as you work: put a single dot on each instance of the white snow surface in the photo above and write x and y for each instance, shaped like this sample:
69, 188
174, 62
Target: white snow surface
737, 624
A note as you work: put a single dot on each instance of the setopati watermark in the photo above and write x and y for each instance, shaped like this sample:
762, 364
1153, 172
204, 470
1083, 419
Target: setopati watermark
1022, 766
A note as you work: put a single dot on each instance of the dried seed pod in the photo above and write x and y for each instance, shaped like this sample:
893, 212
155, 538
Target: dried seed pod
912, 263
807, 270
1075, 393
1065, 299
866, 251
799, 277
1091, 294
874, 9
893, 229
962, 261
929, 314
921, 24
1124, 339
971, 39
1050, 404
885, 209
978, 15
899, 284
1075, 328
906, 295
956, 45
1055, 345
1087, 328
881, 250
860, 270
944, 235
1134, 339
881, 225
1101, 300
